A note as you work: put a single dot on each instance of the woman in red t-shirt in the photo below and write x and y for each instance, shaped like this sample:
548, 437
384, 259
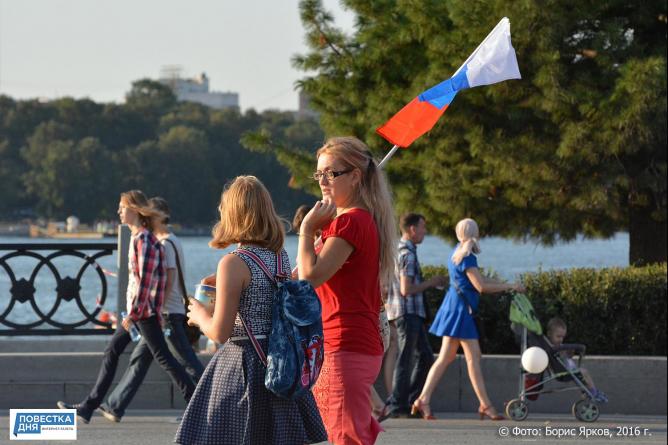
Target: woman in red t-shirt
355, 256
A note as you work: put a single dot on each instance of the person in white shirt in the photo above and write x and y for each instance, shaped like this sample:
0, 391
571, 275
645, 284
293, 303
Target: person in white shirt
174, 307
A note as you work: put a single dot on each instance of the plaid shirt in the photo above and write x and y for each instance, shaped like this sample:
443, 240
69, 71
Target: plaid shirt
407, 266
146, 284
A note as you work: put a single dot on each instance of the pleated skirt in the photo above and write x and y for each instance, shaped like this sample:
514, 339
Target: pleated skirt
232, 406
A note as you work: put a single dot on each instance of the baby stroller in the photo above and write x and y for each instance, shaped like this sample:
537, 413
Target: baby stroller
561, 377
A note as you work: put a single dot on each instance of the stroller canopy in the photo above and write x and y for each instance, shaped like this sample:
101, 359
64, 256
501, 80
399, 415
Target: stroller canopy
522, 313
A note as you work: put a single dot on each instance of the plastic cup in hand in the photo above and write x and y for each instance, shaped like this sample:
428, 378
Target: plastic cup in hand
205, 294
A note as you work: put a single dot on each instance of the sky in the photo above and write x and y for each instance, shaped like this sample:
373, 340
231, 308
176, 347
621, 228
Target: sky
96, 49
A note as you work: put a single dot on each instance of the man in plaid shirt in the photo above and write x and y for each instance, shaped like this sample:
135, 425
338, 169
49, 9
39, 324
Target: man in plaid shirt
146, 287
406, 308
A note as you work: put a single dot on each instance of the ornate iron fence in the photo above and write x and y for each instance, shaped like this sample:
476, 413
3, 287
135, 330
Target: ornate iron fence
68, 288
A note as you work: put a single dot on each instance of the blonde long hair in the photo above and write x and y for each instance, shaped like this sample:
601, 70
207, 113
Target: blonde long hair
247, 216
467, 233
137, 201
374, 192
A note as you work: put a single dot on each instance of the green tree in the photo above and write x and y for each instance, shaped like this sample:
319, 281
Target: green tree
18, 120
234, 159
68, 176
148, 94
188, 114
149, 100
293, 143
82, 116
10, 179
121, 126
176, 167
576, 146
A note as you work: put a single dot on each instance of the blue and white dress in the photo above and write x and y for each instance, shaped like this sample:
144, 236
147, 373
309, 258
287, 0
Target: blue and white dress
231, 404
453, 318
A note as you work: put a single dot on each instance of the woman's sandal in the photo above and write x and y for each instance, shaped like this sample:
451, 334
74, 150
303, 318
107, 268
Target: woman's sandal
423, 409
489, 411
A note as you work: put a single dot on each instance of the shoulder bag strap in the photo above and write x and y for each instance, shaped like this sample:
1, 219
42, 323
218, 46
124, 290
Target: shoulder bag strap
181, 279
463, 297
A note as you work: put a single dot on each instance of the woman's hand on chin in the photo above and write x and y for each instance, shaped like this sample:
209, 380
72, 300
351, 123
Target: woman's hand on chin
322, 213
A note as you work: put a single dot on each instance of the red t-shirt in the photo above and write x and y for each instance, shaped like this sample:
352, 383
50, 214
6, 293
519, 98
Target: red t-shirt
351, 297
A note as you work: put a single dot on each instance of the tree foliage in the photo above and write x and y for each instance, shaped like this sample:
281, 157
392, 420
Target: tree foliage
75, 156
577, 146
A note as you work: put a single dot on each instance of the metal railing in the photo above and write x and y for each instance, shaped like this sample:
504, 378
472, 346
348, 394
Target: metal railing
43, 311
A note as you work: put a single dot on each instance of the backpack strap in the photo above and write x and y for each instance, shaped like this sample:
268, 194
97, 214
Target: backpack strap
256, 345
280, 273
274, 278
257, 260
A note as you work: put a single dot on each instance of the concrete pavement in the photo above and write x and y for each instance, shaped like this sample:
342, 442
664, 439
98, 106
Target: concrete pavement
153, 427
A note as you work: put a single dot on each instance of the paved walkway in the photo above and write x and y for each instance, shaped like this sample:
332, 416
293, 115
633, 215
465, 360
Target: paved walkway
144, 427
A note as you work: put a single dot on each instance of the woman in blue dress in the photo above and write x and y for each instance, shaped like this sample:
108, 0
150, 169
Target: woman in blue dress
455, 323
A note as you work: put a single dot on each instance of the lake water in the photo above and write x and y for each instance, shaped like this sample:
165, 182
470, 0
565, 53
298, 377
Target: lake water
506, 257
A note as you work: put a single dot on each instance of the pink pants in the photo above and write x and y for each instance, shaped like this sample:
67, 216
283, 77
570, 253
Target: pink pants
343, 395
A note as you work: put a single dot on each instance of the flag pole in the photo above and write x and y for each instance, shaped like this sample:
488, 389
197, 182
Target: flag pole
388, 156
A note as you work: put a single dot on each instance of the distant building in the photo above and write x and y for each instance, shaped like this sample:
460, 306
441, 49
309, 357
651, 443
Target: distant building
305, 110
197, 90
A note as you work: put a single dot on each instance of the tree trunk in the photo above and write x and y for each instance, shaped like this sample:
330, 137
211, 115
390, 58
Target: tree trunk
647, 237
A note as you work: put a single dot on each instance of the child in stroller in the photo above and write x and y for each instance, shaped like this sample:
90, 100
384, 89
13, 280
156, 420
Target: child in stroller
561, 366
556, 332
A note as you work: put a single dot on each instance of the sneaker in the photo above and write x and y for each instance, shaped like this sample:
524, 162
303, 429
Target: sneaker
83, 413
106, 412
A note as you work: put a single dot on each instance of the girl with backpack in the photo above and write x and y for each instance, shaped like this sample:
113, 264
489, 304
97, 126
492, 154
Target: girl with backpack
355, 257
231, 405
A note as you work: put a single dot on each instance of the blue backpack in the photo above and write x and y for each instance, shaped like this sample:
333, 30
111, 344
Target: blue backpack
296, 344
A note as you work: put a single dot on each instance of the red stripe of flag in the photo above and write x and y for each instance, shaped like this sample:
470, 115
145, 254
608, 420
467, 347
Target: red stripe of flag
411, 122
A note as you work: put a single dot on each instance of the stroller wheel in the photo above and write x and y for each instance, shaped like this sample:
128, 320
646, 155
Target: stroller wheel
586, 410
517, 410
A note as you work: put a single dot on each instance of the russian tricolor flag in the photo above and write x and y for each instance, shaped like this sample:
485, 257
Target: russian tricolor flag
493, 61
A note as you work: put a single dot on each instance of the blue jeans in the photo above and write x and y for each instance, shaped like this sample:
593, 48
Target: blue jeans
140, 362
414, 359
